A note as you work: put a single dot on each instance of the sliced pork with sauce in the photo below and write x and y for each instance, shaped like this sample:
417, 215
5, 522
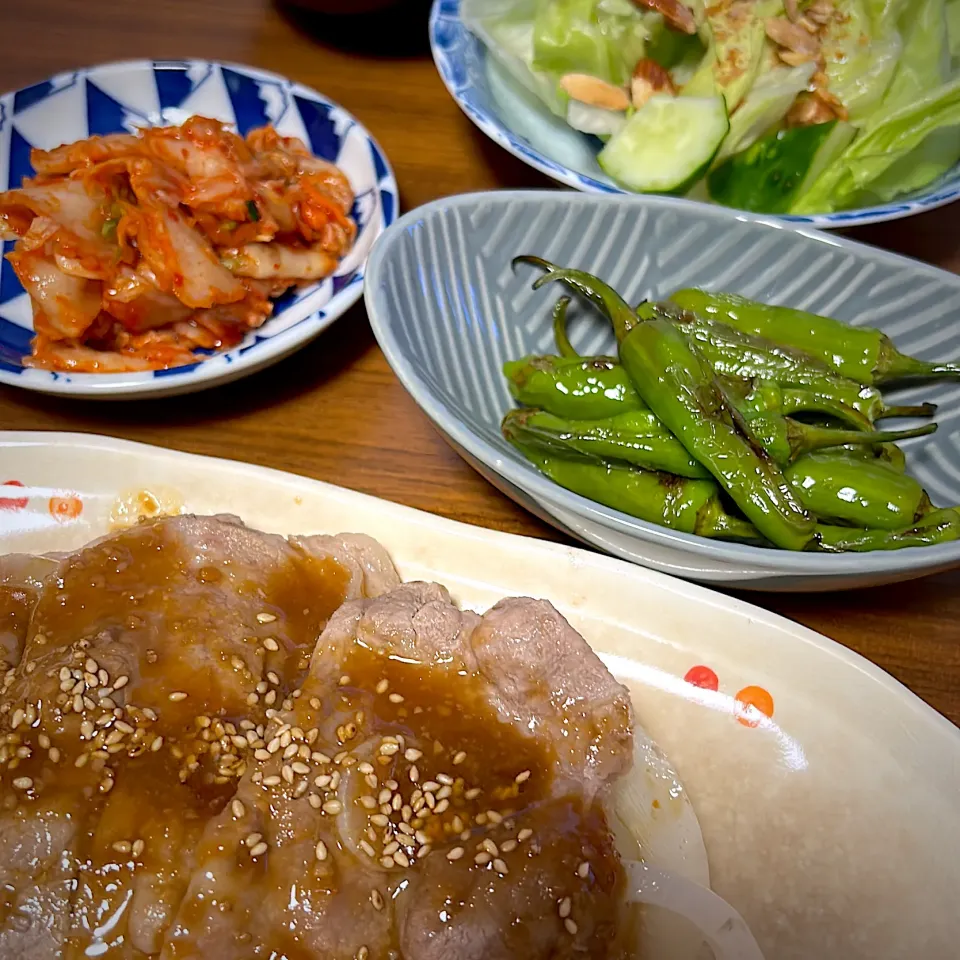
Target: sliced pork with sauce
220, 743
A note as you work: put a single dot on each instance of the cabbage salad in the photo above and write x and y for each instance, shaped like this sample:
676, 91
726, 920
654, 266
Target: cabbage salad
774, 106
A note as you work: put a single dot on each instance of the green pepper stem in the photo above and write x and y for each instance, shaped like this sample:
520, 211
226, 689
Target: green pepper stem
600, 294
564, 347
805, 438
920, 410
894, 365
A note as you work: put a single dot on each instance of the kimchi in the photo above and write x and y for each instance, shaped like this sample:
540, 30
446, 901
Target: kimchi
139, 249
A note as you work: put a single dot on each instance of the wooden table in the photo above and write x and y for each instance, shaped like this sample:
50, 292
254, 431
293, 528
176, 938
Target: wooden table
335, 411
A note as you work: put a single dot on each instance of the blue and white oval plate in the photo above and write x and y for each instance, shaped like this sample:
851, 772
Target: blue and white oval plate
119, 97
509, 116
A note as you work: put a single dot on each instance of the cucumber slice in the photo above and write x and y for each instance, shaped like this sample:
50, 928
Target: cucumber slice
667, 145
769, 176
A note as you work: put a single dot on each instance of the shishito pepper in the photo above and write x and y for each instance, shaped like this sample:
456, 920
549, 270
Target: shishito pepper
858, 492
938, 526
736, 353
581, 389
863, 354
637, 438
678, 386
680, 503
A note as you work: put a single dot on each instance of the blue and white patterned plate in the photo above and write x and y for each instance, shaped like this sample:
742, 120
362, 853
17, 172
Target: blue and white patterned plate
120, 97
510, 117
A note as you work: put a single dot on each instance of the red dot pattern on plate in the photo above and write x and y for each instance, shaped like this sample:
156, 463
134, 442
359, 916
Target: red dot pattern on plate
65, 509
704, 677
12, 503
751, 704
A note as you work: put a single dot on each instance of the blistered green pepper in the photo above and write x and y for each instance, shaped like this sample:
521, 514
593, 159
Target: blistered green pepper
587, 389
636, 437
680, 503
859, 353
938, 526
742, 355
859, 492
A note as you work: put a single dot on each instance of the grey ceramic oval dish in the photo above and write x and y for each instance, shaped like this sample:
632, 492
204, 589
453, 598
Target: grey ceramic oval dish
448, 311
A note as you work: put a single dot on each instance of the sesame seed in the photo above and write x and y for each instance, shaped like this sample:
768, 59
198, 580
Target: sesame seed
86, 730
391, 848
290, 751
321, 850
482, 859
252, 839
77, 704
494, 817
508, 846
259, 850
261, 755
54, 754
423, 851
395, 698
571, 927
177, 695
583, 870
389, 749
402, 858
106, 785
91, 666
265, 618
300, 767
366, 848
271, 781
445, 779
414, 774
564, 909
315, 703
500, 867
271, 698
521, 777
490, 847
444, 792
238, 809
382, 685
368, 802
44, 741
137, 848
81, 760
376, 899
525, 834
387, 862
344, 681
333, 807
121, 682
22, 783
455, 854
270, 644
459, 758
472, 793
121, 846
252, 699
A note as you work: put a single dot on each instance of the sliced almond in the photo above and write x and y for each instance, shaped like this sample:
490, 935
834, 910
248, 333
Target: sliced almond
793, 59
594, 92
649, 78
791, 36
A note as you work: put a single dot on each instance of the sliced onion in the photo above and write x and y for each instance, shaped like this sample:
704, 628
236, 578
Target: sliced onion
722, 928
653, 820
